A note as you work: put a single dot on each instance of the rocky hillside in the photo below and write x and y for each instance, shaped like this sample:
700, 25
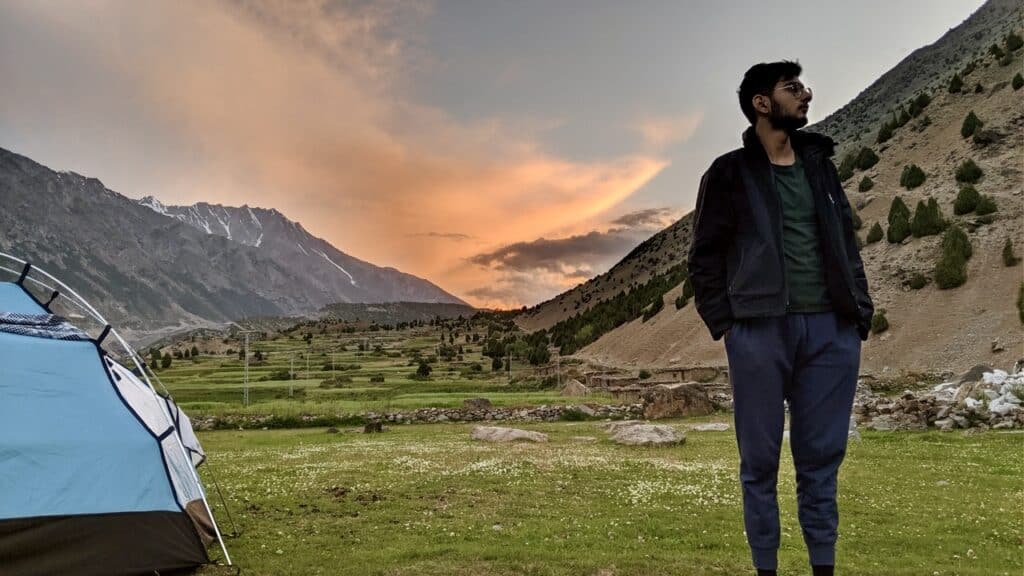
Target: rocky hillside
336, 275
151, 271
930, 328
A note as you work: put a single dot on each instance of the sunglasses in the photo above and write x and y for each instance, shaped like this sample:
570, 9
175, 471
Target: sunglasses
796, 89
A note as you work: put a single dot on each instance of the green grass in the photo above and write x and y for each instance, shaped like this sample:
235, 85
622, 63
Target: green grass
425, 499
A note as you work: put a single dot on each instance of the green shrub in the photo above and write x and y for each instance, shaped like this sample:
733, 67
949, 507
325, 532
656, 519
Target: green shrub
380, 377
917, 281
644, 374
855, 219
879, 323
970, 124
923, 100
966, 200
927, 220
1013, 42
899, 221
912, 177
951, 269
955, 241
866, 158
902, 118
865, 184
986, 205
875, 234
884, 133
968, 172
686, 295
996, 51
1009, 258
572, 415
955, 84
846, 166
653, 310
1018, 81
978, 88
950, 272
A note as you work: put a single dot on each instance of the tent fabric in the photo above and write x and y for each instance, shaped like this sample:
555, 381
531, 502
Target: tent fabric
93, 472
14, 298
40, 326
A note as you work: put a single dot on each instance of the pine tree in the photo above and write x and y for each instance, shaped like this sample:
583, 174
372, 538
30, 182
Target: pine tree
970, 125
1009, 258
912, 177
879, 323
955, 84
875, 234
966, 200
927, 220
866, 158
968, 172
986, 205
1013, 42
884, 133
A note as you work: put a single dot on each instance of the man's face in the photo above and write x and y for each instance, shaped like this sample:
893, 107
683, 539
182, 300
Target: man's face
789, 102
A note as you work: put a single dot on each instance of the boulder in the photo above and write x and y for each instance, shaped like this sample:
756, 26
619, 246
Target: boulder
671, 400
476, 404
500, 434
575, 388
649, 435
615, 426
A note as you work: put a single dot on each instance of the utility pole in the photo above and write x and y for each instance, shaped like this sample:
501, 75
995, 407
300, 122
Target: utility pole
245, 382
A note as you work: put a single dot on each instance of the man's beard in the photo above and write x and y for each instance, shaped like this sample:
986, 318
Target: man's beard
781, 121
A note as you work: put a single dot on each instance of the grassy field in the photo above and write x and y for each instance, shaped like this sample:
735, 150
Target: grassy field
213, 383
425, 499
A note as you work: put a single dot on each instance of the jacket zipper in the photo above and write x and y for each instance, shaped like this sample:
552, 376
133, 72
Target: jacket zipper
778, 228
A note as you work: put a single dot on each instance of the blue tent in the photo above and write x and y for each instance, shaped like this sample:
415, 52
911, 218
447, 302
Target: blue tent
97, 471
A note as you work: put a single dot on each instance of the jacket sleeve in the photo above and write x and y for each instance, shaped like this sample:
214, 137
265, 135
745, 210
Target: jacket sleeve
861, 295
713, 230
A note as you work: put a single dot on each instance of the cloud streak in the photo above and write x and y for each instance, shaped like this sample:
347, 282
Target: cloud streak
302, 106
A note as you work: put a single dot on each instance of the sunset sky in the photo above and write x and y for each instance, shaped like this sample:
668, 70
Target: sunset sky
505, 150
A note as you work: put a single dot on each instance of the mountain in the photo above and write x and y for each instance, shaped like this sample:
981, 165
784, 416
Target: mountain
151, 270
931, 329
334, 274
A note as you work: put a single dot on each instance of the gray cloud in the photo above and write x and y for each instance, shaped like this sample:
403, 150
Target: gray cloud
445, 235
576, 256
650, 217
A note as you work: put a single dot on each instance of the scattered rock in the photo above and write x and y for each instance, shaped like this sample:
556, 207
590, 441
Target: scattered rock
649, 435
373, 427
476, 404
575, 388
672, 400
500, 434
332, 430
997, 346
711, 427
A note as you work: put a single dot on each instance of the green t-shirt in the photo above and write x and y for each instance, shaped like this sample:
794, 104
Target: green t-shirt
805, 273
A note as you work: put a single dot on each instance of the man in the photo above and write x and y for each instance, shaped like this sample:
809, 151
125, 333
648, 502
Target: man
776, 270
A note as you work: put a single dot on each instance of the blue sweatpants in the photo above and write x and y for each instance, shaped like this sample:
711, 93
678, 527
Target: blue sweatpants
811, 362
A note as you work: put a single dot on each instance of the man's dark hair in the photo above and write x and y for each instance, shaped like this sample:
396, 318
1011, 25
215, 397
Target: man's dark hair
761, 79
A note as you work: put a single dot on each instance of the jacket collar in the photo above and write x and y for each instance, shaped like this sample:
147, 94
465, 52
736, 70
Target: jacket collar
807, 144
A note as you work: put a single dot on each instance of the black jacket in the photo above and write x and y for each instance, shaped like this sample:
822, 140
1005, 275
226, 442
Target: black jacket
736, 263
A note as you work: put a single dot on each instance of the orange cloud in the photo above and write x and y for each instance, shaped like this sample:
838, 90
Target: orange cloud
300, 107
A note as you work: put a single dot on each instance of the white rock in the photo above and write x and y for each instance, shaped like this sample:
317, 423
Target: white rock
711, 427
499, 434
649, 435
